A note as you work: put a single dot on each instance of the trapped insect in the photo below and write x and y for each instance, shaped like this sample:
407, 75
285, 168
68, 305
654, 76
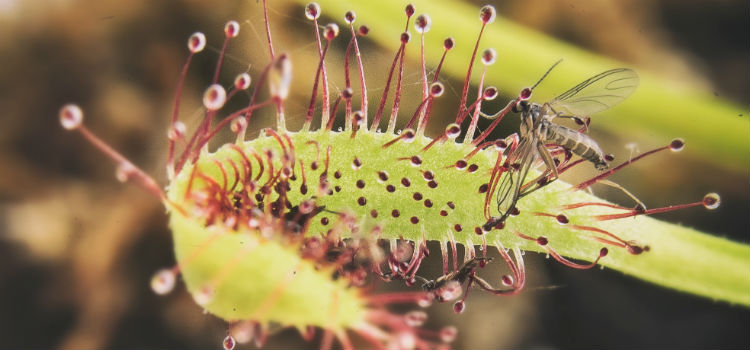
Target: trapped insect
448, 286
538, 136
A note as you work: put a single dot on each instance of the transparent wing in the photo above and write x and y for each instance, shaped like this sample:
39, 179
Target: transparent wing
597, 93
520, 162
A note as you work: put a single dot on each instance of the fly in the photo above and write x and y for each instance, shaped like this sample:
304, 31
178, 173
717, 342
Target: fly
593, 95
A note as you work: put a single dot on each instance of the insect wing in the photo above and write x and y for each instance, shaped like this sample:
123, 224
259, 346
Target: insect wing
510, 186
597, 93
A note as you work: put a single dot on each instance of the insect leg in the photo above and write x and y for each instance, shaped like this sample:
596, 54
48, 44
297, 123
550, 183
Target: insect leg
515, 282
627, 193
551, 169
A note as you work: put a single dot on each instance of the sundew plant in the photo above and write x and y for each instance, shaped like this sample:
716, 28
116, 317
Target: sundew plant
299, 223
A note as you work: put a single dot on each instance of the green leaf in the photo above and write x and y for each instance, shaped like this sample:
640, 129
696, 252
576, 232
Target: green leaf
680, 258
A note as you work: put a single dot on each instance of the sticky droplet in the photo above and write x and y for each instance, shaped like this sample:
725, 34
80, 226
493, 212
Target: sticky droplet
448, 334
232, 29
214, 97
176, 131
312, 11
228, 343
163, 281
242, 81
71, 116
415, 318
711, 201
196, 42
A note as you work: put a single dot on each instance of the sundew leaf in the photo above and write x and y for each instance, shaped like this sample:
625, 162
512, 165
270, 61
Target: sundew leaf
710, 125
679, 257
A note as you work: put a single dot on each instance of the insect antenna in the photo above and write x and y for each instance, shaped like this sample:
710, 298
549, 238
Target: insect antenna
546, 73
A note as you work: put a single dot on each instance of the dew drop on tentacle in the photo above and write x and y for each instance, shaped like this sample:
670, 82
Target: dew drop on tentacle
487, 14
500, 146
507, 280
542, 241
238, 125
350, 17
242, 81
448, 334
415, 161
436, 89
408, 135
71, 116
177, 131
232, 29
382, 176
331, 31
461, 164
449, 291
228, 343
242, 331
405, 182
459, 306
425, 300
490, 93
676, 145
409, 10
479, 231
363, 30
483, 188
196, 42
204, 296
312, 11
489, 56
214, 97
711, 201
452, 131
604, 251
415, 318
356, 163
163, 281
423, 23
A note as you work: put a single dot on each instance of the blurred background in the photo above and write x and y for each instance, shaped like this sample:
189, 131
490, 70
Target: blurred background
77, 248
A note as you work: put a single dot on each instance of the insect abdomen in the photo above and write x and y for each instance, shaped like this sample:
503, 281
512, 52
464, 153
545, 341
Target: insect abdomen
578, 143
